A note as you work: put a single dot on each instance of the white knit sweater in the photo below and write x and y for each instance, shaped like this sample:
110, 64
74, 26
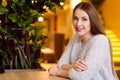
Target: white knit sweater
96, 54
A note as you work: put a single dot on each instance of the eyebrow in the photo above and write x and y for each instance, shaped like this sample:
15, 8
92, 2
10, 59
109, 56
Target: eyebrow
82, 16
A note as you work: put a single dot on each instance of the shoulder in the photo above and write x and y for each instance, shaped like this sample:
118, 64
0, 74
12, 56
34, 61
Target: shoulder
100, 37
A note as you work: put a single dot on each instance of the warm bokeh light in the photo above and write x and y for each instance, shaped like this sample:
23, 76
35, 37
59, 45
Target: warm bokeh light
40, 19
74, 3
61, 3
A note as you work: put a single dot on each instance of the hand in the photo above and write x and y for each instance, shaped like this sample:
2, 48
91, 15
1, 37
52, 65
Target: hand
53, 70
80, 65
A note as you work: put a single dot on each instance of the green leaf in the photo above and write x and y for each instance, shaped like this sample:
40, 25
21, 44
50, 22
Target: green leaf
3, 30
2, 9
15, 1
29, 28
12, 17
26, 8
34, 12
21, 2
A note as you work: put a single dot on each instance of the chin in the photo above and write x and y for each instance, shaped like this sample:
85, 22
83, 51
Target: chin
79, 34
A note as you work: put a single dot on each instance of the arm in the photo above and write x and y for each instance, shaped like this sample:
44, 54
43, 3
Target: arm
65, 58
55, 71
67, 66
79, 65
64, 62
96, 56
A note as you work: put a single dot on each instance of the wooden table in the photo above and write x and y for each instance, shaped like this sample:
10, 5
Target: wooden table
30, 74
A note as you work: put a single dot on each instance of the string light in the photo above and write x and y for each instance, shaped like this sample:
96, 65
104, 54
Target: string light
32, 1
35, 1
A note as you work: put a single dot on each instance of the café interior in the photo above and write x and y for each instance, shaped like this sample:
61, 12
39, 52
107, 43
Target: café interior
59, 30
61, 23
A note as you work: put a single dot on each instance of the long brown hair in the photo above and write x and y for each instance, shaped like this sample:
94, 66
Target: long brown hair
96, 25
113, 70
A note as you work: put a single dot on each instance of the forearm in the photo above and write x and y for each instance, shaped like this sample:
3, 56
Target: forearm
67, 66
79, 65
62, 73
58, 72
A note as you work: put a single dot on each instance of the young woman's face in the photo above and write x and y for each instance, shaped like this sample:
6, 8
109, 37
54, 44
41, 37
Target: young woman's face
81, 22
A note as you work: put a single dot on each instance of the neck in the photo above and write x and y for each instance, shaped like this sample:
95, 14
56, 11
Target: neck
85, 39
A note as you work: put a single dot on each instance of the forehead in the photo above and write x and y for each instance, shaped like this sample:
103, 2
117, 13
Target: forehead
80, 13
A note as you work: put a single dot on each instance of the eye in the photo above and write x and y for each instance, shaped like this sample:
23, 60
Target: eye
84, 19
75, 18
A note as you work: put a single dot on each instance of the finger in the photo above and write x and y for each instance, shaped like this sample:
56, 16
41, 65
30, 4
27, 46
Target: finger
80, 65
83, 62
80, 69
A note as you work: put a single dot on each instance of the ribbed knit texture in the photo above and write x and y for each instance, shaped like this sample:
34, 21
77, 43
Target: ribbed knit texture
96, 54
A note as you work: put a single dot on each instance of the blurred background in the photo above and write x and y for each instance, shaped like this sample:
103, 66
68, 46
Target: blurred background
58, 28
109, 13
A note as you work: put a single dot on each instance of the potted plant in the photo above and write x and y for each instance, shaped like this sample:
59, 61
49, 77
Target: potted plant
17, 29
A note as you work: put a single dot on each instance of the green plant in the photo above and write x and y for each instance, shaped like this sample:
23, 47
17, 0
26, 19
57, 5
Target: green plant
16, 29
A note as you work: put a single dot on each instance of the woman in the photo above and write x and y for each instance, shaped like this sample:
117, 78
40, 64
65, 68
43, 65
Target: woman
87, 56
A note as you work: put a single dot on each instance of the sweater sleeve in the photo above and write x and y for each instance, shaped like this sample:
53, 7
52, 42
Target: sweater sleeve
65, 58
96, 55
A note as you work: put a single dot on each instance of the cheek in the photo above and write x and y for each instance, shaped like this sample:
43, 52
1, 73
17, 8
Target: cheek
74, 23
88, 25
88, 28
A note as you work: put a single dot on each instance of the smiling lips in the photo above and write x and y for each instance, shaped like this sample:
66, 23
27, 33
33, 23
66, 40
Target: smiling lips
78, 29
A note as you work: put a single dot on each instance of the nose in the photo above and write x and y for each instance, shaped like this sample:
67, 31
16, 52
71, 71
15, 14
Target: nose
79, 23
